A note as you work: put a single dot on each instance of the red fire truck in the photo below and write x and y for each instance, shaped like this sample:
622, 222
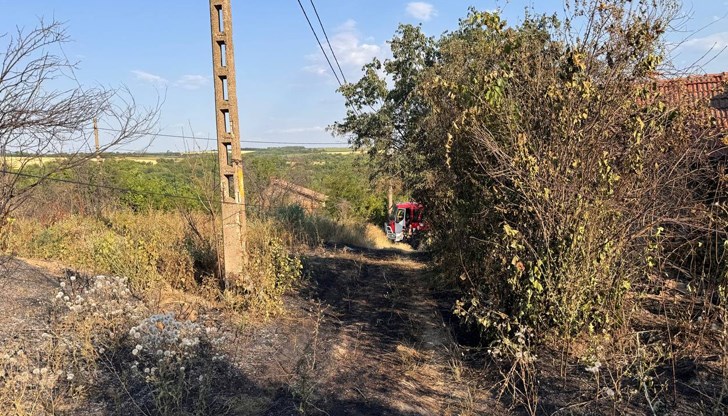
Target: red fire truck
406, 223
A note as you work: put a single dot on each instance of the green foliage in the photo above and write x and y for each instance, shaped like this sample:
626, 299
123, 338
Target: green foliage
344, 178
291, 215
546, 159
271, 272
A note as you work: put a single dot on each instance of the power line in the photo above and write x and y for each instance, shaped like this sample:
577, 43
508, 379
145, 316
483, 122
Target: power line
176, 136
329, 42
110, 187
319, 43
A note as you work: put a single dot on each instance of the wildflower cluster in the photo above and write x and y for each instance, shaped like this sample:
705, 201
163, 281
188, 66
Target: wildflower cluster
102, 297
17, 369
515, 348
163, 343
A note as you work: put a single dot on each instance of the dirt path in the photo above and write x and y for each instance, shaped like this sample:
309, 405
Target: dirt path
387, 345
362, 338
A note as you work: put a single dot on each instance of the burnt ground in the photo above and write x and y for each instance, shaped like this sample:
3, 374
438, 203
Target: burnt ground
360, 336
25, 297
363, 336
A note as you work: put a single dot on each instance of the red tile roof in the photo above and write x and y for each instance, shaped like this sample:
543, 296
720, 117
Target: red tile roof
710, 88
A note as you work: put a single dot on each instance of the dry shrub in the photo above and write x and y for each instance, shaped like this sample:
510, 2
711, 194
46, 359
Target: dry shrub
271, 271
314, 229
104, 348
51, 373
297, 227
570, 181
147, 248
155, 249
570, 195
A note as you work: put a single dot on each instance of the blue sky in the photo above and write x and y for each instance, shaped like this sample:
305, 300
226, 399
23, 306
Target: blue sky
285, 90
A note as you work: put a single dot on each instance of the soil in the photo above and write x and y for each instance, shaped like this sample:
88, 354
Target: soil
25, 297
362, 335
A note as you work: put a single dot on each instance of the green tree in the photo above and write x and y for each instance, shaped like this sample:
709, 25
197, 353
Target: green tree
387, 121
540, 152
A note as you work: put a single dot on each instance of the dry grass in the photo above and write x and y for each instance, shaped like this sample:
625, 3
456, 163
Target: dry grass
90, 354
378, 239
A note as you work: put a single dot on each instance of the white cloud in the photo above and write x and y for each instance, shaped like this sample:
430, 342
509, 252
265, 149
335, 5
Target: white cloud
421, 10
316, 68
351, 49
715, 42
192, 82
149, 77
188, 82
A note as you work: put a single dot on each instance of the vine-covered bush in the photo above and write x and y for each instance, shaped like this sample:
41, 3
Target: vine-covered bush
555, 168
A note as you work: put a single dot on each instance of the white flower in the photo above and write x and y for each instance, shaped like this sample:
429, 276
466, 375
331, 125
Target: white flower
63, 284
594, 369
73, 278
69, 376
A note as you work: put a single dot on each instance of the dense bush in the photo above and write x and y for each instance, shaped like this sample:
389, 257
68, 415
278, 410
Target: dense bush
549, 162
555, 170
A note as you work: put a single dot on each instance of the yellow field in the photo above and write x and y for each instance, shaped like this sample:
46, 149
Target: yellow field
17, 161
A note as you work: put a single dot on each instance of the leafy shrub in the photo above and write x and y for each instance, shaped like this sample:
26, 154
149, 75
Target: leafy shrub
548, 162
292, 215
272, 270
555, 169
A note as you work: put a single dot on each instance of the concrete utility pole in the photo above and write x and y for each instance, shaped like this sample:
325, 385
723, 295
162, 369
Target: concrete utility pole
96, 140
228, 142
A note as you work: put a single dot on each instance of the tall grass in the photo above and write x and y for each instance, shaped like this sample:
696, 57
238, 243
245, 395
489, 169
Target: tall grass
157, 249
313, 229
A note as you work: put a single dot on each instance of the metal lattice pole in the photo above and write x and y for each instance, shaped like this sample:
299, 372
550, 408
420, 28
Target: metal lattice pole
228, 141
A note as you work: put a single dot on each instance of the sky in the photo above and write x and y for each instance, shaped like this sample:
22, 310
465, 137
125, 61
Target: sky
286, 92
